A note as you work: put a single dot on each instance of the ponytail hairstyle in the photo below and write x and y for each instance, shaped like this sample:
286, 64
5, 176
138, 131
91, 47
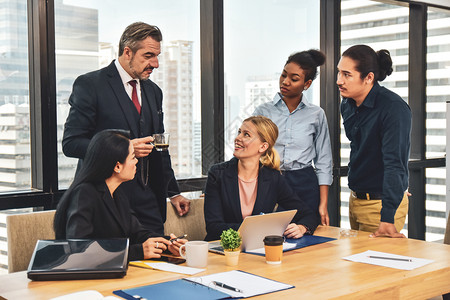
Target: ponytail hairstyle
309, 61
367, 60
104, 151
268, 133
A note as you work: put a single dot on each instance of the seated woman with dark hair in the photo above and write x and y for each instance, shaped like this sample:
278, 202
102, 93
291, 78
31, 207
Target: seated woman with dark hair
93, 207
251, 183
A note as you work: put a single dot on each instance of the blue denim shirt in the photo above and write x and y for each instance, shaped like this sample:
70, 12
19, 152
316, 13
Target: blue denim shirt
303, 137
379, 132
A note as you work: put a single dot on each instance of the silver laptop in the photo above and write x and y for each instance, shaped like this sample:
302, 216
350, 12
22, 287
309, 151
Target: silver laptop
254, 228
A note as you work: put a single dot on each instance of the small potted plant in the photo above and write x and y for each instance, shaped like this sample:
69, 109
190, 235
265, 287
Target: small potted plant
231, 242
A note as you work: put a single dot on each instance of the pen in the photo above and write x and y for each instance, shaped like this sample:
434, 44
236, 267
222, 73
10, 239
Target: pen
178, 238
391, 258
228, 287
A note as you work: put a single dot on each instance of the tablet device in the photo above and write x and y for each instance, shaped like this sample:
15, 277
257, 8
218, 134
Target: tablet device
79, 259
254, 229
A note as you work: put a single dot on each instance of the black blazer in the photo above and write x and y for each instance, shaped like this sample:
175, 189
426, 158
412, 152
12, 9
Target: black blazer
99, 101
93, 214
223, 207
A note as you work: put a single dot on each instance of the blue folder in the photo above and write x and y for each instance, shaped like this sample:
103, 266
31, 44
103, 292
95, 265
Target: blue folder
170, 290
304, 241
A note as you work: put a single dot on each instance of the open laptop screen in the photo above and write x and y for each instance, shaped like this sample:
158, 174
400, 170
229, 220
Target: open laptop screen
254, 228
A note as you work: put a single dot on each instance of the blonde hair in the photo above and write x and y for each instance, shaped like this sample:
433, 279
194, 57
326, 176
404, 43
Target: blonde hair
268, 133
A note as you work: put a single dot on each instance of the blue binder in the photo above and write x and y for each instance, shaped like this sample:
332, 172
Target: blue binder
170, 290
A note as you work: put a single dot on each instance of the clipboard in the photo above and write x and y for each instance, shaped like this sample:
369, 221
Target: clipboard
248, 284
202, 287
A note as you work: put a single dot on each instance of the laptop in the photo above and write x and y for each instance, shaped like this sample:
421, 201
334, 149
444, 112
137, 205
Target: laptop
79, 259
254, 229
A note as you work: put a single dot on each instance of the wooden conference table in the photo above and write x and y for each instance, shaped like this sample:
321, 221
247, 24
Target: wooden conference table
317, 272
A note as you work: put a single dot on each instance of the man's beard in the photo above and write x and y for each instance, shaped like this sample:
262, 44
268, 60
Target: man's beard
135, 73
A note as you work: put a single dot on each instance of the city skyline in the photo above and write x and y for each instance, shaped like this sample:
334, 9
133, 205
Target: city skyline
256, 43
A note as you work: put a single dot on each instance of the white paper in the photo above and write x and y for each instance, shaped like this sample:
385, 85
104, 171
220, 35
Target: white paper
286, 246
251, 285
175, 268
364, 257
86, 295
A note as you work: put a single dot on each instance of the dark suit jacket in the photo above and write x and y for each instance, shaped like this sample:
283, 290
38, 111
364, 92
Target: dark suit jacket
223, 207
93, 214
99, 101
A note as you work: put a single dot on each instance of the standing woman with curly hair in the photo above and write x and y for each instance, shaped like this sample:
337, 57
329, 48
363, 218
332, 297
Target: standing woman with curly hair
251, 183
304, 141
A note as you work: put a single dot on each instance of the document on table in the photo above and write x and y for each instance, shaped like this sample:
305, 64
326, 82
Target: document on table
389, 260
85, 295
249, 284
175, 268
163, 266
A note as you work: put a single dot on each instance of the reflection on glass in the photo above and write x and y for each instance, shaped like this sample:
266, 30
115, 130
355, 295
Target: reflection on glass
438, 91
257, 42
15, 159
87, 37
381, 26
435, 220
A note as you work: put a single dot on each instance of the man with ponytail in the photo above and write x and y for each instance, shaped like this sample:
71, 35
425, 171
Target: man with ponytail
251, 183
378, 124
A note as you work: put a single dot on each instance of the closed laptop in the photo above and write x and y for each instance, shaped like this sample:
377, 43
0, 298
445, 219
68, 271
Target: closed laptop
79, 259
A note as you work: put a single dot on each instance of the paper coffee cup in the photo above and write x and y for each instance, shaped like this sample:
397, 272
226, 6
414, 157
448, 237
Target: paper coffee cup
273, 245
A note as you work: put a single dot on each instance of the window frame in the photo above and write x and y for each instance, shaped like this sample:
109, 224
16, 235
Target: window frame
45, 192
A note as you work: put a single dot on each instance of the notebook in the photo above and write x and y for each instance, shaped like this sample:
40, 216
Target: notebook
254, 229
79, 259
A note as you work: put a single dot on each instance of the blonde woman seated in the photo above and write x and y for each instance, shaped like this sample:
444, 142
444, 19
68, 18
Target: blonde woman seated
251, 183
95, 208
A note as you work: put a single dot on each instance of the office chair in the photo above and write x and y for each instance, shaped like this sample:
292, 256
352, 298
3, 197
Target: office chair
22, 232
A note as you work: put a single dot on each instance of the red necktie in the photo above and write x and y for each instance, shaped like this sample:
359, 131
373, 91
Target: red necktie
134, 96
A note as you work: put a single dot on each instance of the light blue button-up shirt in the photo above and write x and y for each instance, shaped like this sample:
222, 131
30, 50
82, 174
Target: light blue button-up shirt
303, 138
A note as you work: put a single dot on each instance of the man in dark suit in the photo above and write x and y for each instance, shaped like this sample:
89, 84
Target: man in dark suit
121, 96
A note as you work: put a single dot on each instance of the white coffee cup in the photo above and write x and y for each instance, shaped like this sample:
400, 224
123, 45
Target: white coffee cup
196, 253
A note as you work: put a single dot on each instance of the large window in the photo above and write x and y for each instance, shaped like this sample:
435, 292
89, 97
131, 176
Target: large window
438, 91
15, 159
87, 38
257, 42
381, 26
258, 37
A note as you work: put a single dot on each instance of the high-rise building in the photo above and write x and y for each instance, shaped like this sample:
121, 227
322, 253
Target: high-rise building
258, 90
196, 162
386, 26
77, 52
174, 77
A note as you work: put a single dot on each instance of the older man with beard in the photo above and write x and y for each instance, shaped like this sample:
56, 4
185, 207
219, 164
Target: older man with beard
121, 96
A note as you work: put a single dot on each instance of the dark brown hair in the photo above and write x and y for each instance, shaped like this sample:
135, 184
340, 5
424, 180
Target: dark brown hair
367, 60
137, 32
309, 61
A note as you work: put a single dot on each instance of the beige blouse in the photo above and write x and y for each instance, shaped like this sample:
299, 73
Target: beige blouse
247, 195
